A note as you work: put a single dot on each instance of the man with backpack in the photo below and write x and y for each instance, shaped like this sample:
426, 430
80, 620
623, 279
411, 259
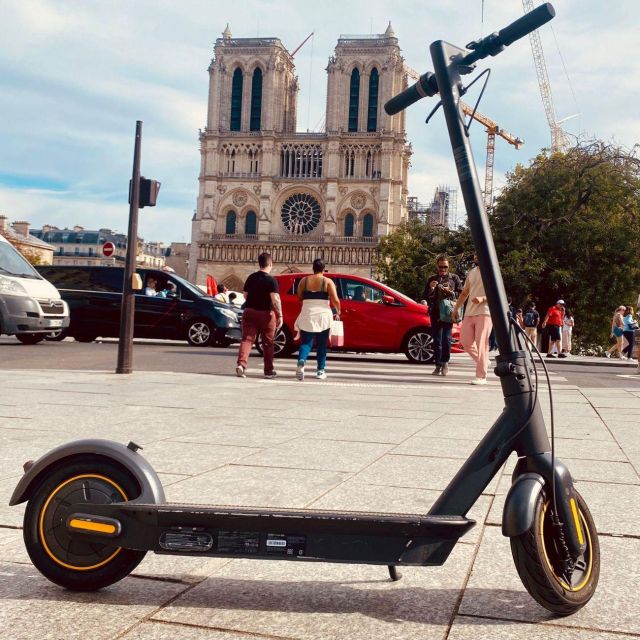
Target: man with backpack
531, 321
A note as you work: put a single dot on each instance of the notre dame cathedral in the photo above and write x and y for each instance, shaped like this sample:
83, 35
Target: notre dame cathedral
266, 187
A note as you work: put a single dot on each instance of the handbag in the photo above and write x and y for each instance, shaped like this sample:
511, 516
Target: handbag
336, 334
446, 309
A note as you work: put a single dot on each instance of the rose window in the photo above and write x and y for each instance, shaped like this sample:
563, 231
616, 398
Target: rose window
300, 213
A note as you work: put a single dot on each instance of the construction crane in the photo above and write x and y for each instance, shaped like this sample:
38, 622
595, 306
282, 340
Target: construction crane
559, 140
492, 130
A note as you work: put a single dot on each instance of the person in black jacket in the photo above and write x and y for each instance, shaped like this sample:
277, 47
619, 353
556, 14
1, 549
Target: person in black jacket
440, 286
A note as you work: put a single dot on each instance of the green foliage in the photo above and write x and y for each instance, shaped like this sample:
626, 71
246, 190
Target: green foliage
567, 226
407, 257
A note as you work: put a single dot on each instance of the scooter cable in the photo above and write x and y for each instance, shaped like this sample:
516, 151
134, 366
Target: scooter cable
529, 343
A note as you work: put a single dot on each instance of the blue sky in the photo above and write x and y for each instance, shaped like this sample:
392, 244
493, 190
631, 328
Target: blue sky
75, 76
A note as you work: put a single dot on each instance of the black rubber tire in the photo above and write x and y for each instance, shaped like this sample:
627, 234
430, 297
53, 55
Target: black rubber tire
283, 344
56, 336
200, 332
84, 338
30, 338
50, 544
534, 556
418, 346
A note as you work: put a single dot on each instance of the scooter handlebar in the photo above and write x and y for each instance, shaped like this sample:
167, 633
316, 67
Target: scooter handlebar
493, 44
525, 25
426, 86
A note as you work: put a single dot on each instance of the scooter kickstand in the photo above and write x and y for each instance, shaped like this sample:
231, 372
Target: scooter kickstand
394, 574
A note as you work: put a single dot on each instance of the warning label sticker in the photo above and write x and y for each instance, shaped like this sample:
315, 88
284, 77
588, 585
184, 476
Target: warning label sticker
285, 544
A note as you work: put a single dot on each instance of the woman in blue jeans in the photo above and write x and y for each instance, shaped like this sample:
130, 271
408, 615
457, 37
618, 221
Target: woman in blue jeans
318, 295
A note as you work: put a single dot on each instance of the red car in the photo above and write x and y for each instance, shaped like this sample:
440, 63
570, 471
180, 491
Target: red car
376, 318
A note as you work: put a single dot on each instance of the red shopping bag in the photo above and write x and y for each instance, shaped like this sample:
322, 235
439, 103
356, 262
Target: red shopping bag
336, 334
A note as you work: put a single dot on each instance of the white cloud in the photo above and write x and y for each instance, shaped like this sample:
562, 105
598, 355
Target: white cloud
75, 76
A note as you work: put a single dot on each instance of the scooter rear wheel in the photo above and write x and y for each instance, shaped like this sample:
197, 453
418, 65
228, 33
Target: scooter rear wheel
68, 558
537, 557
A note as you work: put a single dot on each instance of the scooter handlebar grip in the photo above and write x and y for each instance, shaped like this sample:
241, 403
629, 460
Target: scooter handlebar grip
525, 25
424, 87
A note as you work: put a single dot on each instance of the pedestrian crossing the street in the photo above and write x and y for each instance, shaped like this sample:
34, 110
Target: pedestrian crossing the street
380, 370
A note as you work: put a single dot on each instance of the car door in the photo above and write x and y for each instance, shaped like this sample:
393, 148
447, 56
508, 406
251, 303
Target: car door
369, 324
158, 316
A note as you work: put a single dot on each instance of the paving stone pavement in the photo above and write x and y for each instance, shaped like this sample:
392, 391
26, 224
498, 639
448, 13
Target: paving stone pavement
341, 446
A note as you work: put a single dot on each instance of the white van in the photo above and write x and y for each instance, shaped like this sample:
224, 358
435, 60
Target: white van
30, 306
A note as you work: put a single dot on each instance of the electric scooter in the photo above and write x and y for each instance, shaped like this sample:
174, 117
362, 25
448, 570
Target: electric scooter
96, 507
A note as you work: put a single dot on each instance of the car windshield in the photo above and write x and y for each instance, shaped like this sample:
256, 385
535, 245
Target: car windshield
399, 295
12, 263
189, 286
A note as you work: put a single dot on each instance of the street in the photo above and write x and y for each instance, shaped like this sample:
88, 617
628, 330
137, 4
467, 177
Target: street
380, 435
164, 355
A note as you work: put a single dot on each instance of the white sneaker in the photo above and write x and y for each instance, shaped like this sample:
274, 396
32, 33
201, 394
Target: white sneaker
240, 371
479, 381
321, 375
300, 372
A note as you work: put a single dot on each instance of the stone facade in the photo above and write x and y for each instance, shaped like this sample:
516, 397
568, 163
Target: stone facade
266, 187
19, 235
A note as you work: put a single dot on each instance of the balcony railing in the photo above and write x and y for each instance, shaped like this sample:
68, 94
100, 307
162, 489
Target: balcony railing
288, 239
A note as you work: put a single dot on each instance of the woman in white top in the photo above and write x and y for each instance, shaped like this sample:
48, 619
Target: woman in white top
476, 325
318, 295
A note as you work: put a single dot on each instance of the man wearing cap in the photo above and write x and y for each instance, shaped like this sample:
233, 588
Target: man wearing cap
554, 320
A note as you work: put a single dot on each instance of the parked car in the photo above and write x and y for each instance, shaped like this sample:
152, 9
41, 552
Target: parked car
94, 297
30, 307
376, 318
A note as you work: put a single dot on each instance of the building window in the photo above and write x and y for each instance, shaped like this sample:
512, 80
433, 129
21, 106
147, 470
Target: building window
250, 224
230, 227
354, 99
90, 251
372, 111
300, 213
256, 100
348, 225
76, 251
236, 100
367, 226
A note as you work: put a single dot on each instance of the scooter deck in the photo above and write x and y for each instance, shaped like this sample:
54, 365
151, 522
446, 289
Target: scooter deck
291, 534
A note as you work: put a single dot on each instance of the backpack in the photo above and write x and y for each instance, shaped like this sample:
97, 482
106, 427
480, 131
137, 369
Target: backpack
530, 318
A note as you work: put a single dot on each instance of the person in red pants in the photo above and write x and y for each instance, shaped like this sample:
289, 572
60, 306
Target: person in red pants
476, 325
262, 316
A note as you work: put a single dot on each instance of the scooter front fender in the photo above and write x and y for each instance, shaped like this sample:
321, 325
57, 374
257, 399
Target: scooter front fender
151, 490
520, 506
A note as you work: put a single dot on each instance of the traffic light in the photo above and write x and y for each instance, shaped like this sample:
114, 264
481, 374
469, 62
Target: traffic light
148, 192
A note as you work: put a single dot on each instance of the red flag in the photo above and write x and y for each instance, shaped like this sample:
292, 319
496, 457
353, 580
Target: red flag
212, 286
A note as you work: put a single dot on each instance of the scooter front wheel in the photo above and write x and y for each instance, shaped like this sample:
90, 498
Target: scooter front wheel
538, 557
69, 558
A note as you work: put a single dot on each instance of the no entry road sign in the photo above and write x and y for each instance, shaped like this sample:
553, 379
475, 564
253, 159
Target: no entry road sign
108, 248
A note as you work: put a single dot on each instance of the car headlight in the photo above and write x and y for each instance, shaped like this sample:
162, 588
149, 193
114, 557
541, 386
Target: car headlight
232, 315
11, 287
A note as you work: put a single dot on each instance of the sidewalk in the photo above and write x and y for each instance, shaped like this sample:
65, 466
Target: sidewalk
345, 446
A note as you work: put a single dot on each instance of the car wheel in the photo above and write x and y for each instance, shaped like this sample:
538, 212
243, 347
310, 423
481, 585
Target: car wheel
418, 346
200, 333
30, 338
282, 344
56, 336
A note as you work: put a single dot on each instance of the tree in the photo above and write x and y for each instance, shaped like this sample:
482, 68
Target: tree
407, 256
568, 227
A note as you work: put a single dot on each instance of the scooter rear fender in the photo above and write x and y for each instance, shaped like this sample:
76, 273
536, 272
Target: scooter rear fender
151, 490
520, 506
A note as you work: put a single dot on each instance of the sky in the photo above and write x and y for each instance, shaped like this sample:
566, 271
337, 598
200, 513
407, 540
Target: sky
76, 75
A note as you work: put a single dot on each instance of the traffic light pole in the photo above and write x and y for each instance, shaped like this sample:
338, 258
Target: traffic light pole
125, 344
